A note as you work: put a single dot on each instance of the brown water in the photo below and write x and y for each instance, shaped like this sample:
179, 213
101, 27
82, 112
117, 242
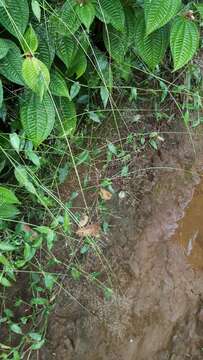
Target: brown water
189, 233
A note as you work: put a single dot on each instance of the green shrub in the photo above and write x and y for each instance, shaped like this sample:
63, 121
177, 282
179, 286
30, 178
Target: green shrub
45, 49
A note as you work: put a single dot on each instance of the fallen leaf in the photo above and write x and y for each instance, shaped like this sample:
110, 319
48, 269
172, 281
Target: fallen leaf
84, 220
89, 230
105, 194
28, 229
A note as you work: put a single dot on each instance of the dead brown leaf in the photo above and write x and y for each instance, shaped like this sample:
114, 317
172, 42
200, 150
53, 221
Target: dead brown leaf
89, 230
33, 233
84, 220
105, 194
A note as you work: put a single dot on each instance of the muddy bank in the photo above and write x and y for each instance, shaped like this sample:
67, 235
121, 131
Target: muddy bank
156, 310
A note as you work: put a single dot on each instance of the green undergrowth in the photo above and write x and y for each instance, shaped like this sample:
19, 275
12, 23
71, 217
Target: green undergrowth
86, 87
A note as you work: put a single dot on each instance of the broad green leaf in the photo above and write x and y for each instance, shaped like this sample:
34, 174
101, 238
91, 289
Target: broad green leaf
14, 17
7, 196
58, 85
68, 116
150, 48
2, 3
4, 246
4, 281
30, 41
184, 41
110, 12
66, 22
36, 75
1, 94
8, 211
79, 64
46, 47
36, 9
159, 12
11, 66
200, 9
37, 117
86, 13
22, 177
116, 43
5, 46
66, 50
15, 141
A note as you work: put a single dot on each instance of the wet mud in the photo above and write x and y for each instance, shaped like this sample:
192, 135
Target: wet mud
155, 256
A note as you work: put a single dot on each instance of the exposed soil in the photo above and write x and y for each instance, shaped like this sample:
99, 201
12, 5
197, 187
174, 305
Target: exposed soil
156, 311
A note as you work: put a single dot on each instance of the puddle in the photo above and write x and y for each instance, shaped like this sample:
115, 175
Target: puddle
189, 233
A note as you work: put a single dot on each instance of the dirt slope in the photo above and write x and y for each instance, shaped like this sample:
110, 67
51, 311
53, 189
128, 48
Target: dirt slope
156, 312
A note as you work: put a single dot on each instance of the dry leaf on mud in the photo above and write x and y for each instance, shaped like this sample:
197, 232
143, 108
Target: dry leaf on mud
89, 230
28, 229
84, 220
105, 194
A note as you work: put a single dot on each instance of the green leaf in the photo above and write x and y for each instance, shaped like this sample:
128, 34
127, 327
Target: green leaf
51, 237
116, 43
159, 12
79, 64
11, 65
8, 211
39, 301
151, 48
4, 282
14, 17
16, 328
75, 274
112, 148
74, 90
104, 93
30, 41
5, 45
49, 281
7, 196
36, 75
66, 22
36, 9
15, 141
1, 94
4, 246
58, 85
200, 9
86, 13
46, 47
37, 117
68, 116
66, 50
35, 336
184, 41
32, 156
38, 345
22, 177
111, 12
